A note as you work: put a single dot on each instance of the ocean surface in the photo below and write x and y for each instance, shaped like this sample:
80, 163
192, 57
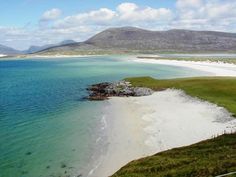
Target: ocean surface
47, 128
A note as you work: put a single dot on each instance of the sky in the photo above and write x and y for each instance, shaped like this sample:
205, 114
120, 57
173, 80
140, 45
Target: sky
24, 23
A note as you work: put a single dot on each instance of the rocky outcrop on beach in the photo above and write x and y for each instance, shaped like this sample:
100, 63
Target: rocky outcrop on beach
104, 90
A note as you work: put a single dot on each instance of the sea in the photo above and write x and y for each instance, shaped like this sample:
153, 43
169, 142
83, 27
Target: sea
47, 126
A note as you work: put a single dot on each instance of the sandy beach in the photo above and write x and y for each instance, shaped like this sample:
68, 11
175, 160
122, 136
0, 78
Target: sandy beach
1, 55
142, 126
213, 68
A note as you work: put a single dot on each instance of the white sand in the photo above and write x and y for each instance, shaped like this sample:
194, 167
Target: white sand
142, 126
215, 68
125, 137
2, 55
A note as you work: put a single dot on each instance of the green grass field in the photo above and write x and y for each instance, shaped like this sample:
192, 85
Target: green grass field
208, 158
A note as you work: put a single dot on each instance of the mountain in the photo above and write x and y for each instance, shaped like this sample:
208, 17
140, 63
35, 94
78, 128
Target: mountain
8, 50
130, 39
34, 49
67, 42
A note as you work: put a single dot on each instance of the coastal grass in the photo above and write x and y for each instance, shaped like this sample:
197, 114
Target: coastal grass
208, 158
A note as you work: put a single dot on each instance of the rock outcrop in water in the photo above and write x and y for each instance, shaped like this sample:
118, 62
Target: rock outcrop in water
104, 90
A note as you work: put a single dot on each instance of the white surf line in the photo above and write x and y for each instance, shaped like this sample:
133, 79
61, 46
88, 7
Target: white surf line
215, 68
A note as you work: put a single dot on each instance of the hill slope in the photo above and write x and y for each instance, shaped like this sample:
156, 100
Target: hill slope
130, 39
208, 158
8, 50
34, 49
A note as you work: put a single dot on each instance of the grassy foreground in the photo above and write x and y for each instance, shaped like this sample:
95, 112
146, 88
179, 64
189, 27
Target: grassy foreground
207, 158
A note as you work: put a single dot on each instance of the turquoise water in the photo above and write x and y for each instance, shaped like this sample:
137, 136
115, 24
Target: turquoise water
46, 127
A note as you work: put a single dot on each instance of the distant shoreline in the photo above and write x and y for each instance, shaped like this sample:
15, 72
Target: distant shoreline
6, 58
215, 67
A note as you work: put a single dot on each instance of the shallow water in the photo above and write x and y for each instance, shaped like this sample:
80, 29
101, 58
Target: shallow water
46, 127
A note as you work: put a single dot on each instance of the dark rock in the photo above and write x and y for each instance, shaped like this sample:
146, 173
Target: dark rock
104, 90
48, 166
141, 91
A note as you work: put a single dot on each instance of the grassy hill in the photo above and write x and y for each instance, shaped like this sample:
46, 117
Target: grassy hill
136, 40
207, 158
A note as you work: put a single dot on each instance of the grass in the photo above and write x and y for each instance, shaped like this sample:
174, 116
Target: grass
207, 158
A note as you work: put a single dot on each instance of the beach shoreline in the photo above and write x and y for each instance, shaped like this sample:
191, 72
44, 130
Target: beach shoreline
214, 68
142, 126
44, 57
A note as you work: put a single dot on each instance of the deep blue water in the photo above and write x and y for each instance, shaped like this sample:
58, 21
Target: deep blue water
46, 127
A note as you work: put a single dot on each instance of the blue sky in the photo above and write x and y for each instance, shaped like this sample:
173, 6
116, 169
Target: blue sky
38, 22
24, 12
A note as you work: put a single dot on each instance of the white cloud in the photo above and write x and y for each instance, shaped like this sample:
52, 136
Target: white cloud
52, 14
205, 14
127, 7
130, 12
126, 14
98, 17
188, 14
183, 4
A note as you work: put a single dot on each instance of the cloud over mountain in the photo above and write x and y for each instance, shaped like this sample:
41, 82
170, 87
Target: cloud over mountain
186, 14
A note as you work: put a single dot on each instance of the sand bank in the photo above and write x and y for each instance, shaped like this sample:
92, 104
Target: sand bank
142, 126
214, 68
2, 55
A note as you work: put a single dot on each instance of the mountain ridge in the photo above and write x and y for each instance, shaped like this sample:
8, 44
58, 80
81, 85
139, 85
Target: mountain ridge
34, 49
5, 50
132, 39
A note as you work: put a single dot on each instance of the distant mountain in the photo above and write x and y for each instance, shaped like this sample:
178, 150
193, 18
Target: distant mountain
34, 49
8, 50
130, 39
65, 42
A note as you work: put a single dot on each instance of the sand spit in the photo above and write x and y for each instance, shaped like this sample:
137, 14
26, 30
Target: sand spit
214, 68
